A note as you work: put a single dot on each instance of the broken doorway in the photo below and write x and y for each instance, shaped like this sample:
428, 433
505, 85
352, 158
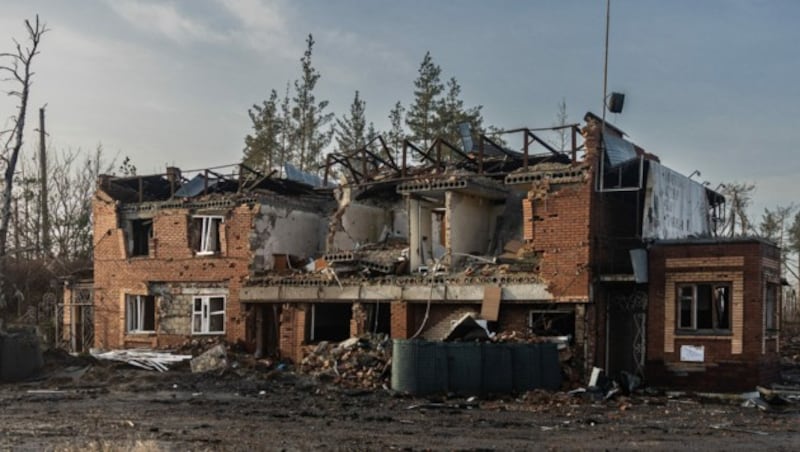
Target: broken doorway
379, 319
330, 322
267, 329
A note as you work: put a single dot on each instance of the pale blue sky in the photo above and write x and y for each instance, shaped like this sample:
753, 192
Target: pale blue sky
711, 85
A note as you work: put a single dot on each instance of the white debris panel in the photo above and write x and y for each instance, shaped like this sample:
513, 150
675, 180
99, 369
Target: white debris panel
145, 359
675, 206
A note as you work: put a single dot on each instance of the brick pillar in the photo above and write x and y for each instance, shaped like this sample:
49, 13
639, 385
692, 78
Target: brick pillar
358, 322
292, 331
527, 219
401, 320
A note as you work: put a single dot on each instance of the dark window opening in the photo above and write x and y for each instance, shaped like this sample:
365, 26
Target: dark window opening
330, 322
704, 307
771, 307
379, 319
140, 233
544, 322
140, 313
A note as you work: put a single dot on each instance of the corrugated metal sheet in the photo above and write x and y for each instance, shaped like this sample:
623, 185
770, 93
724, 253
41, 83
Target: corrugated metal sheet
618, 150
292, 173
195, 186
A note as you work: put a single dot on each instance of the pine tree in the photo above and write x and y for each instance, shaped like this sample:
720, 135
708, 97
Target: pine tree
769, 227
396, 135
309, 115
351, 129
262, 147
451, 114
422, 117
288, 134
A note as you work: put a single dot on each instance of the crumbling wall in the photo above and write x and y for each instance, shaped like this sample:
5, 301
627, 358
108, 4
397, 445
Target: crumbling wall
557, 226
284, 230
293, 333
470, 224
171, 261
361, 224
420, 234
174, 304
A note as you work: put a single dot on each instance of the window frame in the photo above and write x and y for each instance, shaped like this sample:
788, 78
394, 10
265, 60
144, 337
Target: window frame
205, 312
205, 222
772, 322
140, 232
135, 304
692, 326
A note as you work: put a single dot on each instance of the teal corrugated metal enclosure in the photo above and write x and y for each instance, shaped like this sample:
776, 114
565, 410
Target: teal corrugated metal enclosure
464, 367
471, 368
527, 372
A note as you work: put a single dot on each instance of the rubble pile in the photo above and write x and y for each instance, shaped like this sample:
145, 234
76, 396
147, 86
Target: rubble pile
359, 362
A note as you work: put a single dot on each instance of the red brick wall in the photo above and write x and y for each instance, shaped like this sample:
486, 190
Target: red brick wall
171, 260
557, 227
400, 320
293, 331
724, 369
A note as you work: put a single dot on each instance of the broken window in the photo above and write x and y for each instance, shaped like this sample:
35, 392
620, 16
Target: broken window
208, 314
204, 234
139, 234
704, 307
551, 322
140, 313
771, 308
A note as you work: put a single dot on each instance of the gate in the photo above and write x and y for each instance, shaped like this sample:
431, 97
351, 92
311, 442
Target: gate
627, 322
74, 319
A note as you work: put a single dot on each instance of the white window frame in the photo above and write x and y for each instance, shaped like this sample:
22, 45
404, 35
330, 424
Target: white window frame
206, 227
205, 313
771, 308
715, 309
135, 312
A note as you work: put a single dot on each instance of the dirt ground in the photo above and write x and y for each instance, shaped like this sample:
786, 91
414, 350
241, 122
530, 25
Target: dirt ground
89, 405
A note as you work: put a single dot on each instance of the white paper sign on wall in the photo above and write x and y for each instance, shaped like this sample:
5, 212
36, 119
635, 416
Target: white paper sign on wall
693, 353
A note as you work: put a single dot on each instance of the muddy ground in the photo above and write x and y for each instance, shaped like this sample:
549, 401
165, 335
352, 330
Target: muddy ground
89, 405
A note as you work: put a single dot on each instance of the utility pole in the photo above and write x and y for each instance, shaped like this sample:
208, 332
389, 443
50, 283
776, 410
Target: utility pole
43, 175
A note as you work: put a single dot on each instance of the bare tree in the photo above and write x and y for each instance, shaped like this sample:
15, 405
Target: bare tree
18, 69
739, 196
560, 141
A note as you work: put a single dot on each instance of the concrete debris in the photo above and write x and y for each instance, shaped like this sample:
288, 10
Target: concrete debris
468, 328
215, 358
362, 362
142, 358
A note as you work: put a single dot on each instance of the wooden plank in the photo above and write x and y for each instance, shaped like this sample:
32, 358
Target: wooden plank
490, 308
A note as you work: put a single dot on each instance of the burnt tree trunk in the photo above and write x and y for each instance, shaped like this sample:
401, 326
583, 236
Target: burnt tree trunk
19, 69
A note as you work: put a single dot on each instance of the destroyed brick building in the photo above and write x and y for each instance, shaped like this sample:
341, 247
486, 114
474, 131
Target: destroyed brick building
599, 244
